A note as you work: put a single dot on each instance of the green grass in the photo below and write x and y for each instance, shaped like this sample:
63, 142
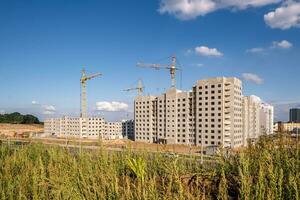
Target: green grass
264, 171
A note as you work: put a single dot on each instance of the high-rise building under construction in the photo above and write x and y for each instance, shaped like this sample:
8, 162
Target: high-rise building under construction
208, 115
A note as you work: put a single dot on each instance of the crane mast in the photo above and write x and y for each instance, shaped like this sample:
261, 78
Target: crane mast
173, 71
172, 68
83, 80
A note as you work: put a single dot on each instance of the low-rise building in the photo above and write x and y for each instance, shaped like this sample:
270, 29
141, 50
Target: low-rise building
93, 127
282, 127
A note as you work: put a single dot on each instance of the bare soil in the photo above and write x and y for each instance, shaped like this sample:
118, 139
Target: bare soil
13, 129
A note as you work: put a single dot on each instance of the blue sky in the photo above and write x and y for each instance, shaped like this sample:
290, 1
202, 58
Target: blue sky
44, 45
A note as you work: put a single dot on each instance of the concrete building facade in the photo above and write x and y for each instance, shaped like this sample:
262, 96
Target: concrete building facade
172, 118
92, 127
209, 115
258, 118
251, 116
128, 129
267, 119
112, 130
218, 112
145, 109
295, 115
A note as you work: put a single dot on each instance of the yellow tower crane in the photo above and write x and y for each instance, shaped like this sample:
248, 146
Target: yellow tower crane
140, 88
83, 80
172, 67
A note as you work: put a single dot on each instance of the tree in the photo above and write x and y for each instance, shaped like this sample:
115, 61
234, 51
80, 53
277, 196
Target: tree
17, 118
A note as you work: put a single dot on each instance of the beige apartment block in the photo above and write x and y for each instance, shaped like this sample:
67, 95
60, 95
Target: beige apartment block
245, 120
92, 127
258, 118
145, 111
251, 112
219, 112
209, 115
52, 126
173, 117
112, 130
267, 119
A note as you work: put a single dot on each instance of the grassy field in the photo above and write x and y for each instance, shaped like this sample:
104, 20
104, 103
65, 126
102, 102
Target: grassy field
268, 170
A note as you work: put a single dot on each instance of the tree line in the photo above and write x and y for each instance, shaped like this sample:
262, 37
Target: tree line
17, 118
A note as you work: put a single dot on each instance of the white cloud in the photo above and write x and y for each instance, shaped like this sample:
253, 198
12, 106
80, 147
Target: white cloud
47, 112
284, 44
45, 109
255, 50
49, 107
33, 102
205, 51
187, 9
190, 9
284, 17
253, 78
243, 4
2, 112
111, 106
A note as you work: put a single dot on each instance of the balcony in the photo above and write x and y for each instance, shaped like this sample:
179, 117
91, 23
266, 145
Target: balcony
227, 123
227, 129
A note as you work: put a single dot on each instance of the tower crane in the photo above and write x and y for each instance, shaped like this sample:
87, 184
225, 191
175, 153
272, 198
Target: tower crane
172, 67
83, 80
140, 88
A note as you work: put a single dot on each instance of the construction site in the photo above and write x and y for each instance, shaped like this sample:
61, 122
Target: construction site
85, 126
97, 127
214, 113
